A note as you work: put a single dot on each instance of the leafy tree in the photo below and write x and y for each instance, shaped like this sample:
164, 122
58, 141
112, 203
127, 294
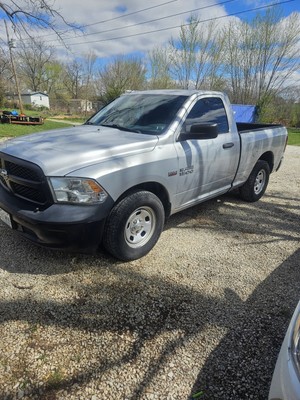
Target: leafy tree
283, 108
53, 82
120, 75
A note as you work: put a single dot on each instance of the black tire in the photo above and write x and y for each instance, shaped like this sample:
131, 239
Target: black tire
134, 226
256, 185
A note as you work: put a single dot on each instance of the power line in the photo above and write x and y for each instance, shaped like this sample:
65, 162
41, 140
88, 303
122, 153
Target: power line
114, 18
128, 14
179, 26
156, 19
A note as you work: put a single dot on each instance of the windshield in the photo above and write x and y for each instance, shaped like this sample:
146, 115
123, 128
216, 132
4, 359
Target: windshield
143, 113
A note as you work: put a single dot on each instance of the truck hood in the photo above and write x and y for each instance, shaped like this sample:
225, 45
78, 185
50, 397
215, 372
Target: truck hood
63, 151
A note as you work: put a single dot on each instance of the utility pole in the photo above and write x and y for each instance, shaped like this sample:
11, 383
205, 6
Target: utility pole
10, 44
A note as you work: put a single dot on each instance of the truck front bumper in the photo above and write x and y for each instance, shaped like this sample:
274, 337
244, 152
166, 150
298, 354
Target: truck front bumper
69, 226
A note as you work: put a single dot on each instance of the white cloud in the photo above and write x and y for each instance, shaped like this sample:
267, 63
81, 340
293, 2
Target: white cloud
97, 40
92, 12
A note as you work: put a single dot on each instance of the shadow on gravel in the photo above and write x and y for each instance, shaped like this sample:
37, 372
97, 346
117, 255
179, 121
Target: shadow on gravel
281, 197
269, 220
242, 365
133, 304
20, 256
145, 307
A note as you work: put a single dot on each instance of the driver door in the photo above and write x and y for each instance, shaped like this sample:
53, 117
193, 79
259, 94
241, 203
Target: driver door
206, 166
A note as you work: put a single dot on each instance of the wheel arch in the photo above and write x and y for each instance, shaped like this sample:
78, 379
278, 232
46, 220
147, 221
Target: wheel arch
154, 187
268, 156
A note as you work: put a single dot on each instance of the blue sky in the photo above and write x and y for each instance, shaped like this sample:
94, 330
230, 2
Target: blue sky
241, 5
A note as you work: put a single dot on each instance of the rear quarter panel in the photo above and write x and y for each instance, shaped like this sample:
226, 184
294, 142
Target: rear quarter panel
254, 144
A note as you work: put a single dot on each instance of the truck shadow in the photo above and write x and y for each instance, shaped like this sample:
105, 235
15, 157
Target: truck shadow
144, 308
281, 197
245, 359
265, 221
269, 221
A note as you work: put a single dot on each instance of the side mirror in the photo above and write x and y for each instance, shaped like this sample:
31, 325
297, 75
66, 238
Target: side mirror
201, 131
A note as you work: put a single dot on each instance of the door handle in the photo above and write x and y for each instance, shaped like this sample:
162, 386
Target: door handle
228, 145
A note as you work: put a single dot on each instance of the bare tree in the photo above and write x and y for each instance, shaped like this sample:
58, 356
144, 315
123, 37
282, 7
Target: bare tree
89, 67
73, 79
79, 79
5, 73
27, 15
4, 61
261, 56
279, 54
33, 63
182, 54
120, 75
160, 65
196, 56
241, 61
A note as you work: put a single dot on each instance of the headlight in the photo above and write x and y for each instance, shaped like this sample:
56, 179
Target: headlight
295, 348
77, 190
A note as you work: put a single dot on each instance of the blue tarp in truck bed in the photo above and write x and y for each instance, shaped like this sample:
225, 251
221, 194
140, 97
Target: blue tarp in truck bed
244, 113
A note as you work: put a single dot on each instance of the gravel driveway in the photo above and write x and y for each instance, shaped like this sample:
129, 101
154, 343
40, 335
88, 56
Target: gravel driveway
205, 311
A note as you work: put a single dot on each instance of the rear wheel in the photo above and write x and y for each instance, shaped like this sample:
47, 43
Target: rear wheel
134, 226
256, 185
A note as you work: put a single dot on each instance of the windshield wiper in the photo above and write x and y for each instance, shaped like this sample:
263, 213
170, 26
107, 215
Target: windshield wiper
121, 128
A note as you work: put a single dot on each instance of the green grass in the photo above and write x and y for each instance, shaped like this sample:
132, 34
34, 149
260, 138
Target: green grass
294, 136
13, 130
74, 119
55, 379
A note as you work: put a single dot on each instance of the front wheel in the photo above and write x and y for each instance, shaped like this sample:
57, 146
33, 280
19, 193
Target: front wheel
134, 226
257, 183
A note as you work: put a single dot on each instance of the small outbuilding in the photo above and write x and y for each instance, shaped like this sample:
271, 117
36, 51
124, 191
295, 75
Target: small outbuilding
36, 99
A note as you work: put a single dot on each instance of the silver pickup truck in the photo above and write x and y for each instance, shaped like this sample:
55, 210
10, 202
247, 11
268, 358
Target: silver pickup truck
114, 180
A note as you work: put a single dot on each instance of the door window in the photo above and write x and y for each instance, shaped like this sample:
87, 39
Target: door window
209, 110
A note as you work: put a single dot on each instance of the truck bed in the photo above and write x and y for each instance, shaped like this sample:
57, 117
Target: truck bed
244, 127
